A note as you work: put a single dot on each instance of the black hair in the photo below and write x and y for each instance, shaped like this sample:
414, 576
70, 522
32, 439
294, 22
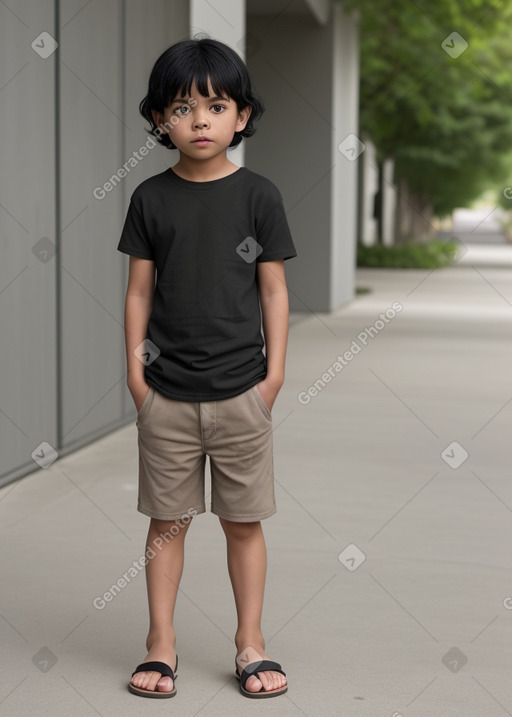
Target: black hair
198, 60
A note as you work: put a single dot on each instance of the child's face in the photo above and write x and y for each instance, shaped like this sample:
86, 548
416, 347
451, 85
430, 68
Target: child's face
214, 118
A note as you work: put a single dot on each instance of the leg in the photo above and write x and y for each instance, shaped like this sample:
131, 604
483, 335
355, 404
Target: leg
163, 575
247, 566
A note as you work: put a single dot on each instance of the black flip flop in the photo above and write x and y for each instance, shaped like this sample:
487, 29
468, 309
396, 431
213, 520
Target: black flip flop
155, 666
252, 669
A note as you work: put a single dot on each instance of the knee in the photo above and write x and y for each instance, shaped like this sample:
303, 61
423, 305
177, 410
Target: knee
171, 528
240, 531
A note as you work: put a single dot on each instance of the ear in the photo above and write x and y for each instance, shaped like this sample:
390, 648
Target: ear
159, 120
243, 118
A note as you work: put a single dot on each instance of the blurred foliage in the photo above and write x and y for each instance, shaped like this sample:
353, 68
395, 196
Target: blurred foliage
446, 121
429, 255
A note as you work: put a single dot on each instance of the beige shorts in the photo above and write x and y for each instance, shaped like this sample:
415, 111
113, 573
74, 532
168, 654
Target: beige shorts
174, 438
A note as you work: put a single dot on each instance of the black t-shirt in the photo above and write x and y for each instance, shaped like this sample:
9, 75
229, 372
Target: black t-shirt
206, 239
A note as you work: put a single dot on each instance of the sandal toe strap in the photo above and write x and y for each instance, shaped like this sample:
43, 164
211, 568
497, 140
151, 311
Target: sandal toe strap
156, 666
261, 666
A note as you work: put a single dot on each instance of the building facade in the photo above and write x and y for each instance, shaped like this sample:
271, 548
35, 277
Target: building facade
74, 147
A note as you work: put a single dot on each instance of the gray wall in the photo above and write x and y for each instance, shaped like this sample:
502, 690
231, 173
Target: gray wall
91, 140
292, 144
28, 410
307, 74
65, 130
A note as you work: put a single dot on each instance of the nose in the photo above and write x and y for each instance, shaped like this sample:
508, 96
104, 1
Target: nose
200, 122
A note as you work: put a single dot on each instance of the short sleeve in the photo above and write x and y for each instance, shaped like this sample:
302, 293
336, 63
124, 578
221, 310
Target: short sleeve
273, 235
134, 237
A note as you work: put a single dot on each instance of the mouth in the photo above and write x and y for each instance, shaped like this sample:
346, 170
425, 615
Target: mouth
201, 140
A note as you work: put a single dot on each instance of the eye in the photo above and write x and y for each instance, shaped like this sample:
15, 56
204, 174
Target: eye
218, 108
182, 110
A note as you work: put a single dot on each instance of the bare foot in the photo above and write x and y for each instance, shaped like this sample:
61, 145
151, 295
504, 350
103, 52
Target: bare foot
253, 651
164, 651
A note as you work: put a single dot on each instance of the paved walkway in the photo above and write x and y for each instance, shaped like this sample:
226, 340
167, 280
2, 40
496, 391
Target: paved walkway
389, 581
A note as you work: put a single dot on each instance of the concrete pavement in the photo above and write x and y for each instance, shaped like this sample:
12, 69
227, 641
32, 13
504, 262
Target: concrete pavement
389, 585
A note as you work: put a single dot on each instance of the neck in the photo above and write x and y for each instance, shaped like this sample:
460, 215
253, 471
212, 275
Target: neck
203, 170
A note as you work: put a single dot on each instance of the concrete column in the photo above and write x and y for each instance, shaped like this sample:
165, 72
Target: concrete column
346, 147
388, 203
369, 186
307, 75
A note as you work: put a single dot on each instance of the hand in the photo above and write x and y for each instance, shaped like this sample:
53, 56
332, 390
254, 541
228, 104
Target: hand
139, 391
268, 389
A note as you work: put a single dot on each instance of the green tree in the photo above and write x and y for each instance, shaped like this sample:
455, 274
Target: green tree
443, 115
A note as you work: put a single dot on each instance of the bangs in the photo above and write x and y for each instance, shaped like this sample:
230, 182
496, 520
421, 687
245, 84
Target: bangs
223, 78
197, 66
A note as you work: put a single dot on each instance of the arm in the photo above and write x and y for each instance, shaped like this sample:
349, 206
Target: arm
138, 306
274, 308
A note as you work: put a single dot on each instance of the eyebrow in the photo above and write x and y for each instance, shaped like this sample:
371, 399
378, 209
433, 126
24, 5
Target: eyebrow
208, 99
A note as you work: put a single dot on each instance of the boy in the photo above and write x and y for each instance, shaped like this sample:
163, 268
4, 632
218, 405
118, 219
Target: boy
217, 236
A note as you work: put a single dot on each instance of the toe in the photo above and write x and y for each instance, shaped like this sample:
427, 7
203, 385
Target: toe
147, 680
139, 679
269, 681
152, 681
279, 679
272, 680
164, 684
253, 684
